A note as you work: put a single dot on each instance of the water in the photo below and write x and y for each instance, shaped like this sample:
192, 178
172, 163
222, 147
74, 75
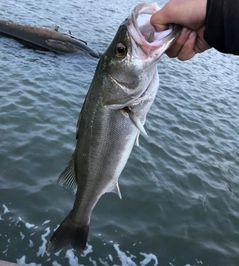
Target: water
180, 187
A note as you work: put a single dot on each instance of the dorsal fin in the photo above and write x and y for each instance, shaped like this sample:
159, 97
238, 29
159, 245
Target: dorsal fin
67, 179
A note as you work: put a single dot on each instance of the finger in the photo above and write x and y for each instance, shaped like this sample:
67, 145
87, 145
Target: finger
189, 14
179, 43
201, 45
187, 51
174, 12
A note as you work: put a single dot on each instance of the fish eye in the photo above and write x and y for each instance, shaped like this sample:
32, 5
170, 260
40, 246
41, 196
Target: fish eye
120, 50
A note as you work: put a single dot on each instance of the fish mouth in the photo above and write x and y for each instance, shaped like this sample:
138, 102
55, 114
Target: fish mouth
152, 44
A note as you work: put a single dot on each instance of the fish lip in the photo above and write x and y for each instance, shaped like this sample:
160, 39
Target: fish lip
155, 53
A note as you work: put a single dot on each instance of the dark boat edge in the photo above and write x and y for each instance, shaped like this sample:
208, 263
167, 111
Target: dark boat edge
42, 38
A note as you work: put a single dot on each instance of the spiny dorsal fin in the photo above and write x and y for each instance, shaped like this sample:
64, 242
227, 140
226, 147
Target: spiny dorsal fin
136, 121
67, 179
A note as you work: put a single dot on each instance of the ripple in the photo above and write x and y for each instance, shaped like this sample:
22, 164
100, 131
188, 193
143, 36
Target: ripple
179, 187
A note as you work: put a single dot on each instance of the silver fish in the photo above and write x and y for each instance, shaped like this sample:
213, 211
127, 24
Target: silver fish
113, 114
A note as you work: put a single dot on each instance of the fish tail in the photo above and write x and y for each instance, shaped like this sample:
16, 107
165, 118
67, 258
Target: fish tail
68, 233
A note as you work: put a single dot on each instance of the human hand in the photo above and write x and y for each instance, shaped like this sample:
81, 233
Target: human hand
191, 15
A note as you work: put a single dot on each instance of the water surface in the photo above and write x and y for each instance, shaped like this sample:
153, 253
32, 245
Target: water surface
180, 202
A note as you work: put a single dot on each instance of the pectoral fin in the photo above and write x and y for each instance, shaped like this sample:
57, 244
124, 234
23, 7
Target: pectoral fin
137, 139
67, 179
136, 121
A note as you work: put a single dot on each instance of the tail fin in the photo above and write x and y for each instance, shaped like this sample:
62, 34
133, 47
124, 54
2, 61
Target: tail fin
68, 233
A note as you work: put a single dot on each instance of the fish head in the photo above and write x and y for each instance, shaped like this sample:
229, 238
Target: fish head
129, 63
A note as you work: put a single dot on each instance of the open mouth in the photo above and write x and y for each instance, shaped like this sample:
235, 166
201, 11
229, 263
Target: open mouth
144, 34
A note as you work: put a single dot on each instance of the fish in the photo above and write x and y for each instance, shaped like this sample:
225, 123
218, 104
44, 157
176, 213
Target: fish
112, 117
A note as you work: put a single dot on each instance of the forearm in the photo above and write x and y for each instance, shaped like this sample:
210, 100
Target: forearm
222, 25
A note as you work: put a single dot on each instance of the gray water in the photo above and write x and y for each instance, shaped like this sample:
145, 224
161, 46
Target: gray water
180, 202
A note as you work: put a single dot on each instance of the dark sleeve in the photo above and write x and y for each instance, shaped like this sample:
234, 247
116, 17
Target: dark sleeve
222, 25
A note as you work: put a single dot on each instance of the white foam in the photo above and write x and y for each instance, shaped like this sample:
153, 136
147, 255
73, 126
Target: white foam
46, 222
126, 257
88, 250
199, 261
22, 261
125, 260
28, 225
148, 258
55, 263
92, 261
22, 235
30, 244
73, 260
42, 248
110, 257
5, 251
6, 210
104, 263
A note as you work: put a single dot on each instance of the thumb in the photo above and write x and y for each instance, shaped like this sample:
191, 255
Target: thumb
160, 20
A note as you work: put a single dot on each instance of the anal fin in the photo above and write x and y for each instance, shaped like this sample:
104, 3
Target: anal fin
115, 189
67, 179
